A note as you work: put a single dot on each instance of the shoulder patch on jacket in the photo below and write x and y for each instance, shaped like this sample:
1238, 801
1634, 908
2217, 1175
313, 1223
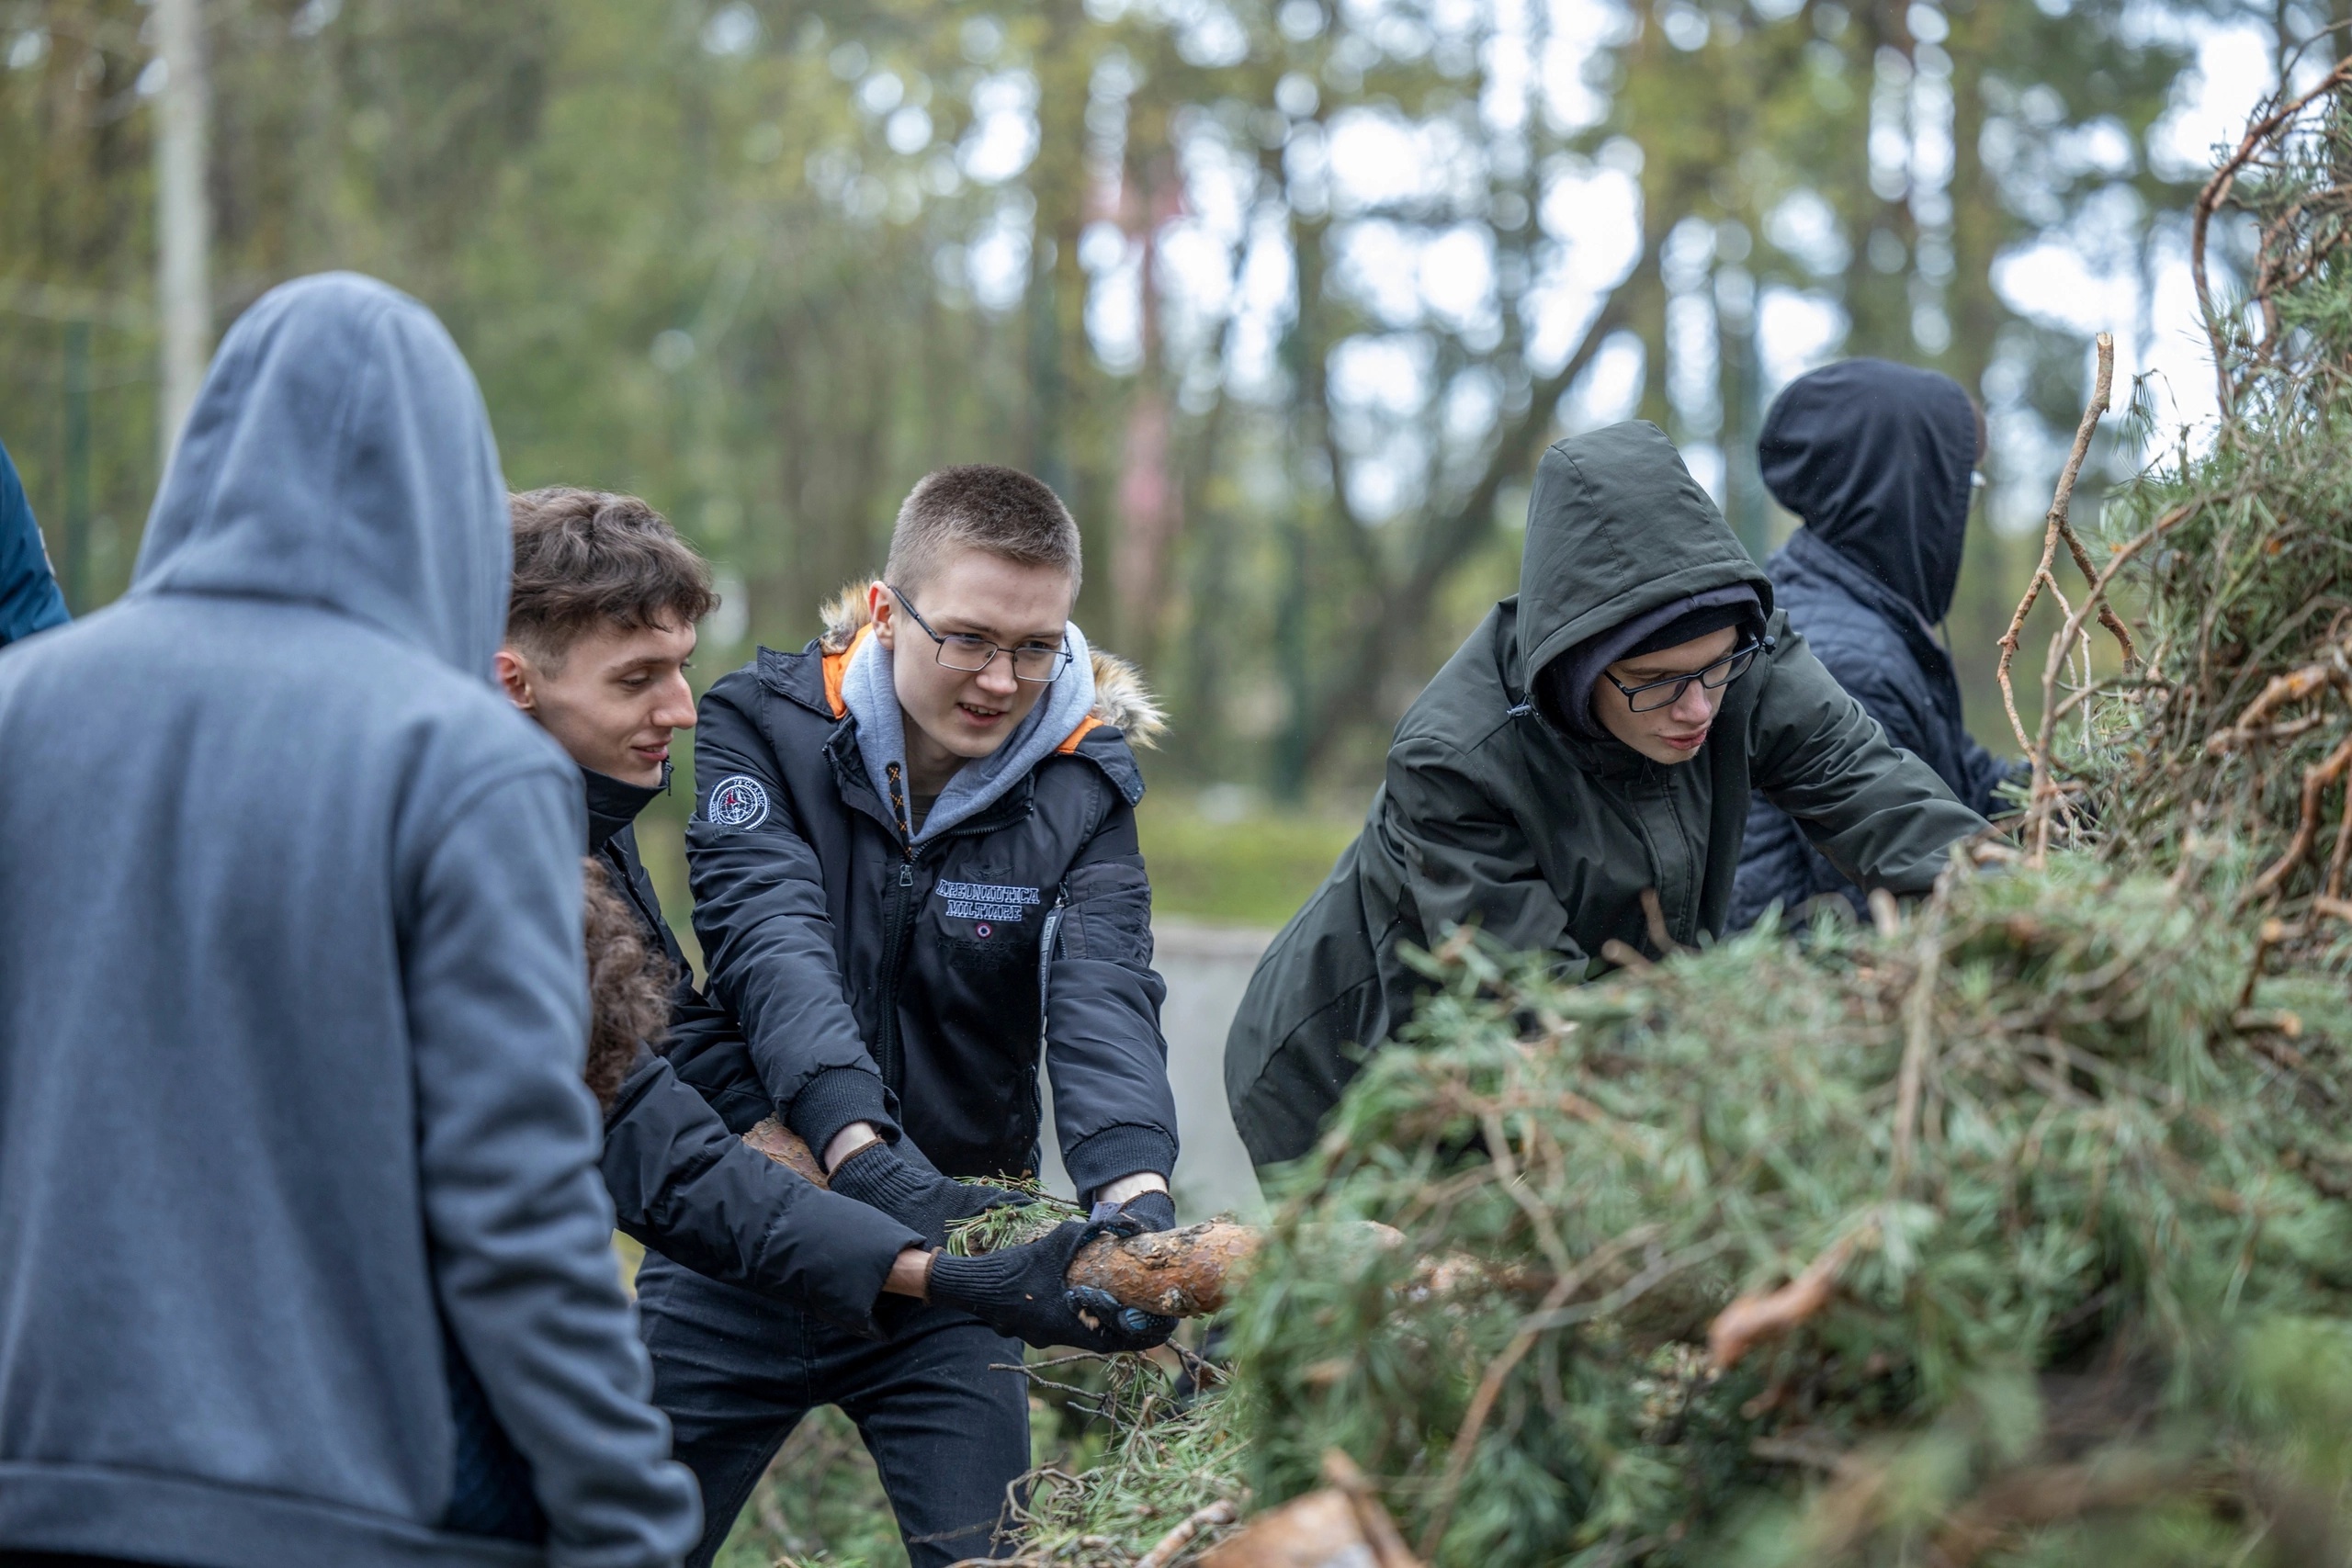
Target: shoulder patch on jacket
739, 801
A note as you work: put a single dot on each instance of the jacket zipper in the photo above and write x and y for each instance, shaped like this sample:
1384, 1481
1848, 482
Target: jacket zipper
1045, 959
1051, 935
894, 934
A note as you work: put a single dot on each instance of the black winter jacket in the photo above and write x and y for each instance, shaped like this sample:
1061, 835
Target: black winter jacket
1876, 459
1493, 816
686, 1185
867, 988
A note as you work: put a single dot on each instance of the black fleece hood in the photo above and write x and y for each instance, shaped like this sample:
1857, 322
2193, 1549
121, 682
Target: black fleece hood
1875, 457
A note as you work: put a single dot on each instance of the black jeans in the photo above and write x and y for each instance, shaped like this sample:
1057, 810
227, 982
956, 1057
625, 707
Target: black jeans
735, 1373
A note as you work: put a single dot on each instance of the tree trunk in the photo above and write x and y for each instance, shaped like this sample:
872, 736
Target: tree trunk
183, 213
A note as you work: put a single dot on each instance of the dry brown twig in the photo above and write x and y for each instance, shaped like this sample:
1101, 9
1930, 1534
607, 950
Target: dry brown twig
2042, 801
1752, 1319
2217, 191
1172, 1545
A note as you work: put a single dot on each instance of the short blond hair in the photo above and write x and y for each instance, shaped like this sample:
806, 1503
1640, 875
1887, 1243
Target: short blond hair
984, 507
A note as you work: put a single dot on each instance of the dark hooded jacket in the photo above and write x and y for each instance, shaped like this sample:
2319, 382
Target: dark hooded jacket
293, 1013
30, 601
1876, 459
1493, 816
913, 988
683, 1184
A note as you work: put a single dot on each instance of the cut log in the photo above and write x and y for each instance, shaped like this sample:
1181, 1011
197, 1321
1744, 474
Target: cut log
1186, 1273
784, 1145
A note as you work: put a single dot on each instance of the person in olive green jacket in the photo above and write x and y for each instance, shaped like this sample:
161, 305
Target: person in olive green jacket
1597, 736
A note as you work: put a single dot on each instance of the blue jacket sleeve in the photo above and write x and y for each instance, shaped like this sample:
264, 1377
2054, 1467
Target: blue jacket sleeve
767, 939
30, 601
690, 1190
1113, 1108
517, 1221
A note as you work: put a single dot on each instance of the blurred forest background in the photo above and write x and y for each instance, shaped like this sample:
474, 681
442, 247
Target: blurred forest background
1285, 298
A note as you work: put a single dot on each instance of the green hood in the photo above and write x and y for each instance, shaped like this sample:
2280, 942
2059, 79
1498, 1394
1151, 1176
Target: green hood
1616, 527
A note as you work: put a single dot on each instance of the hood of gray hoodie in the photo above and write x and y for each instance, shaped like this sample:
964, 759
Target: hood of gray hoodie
339, 455
293, 1011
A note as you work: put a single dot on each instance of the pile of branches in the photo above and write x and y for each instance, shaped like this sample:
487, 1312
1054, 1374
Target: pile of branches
1935, 1237
2013, 1227
2229, 721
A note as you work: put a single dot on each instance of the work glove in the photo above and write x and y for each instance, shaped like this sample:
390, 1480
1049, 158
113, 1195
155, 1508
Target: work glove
915, 1195
1024, 1291
1150, 1211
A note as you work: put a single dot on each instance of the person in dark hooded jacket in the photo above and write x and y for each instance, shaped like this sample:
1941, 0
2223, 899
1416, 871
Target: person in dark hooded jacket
1577, 773
1878, 460
917, 883
600, 627
303, 1255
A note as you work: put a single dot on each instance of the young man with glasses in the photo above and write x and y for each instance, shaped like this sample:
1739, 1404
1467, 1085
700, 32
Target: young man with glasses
915, 872
1580, 773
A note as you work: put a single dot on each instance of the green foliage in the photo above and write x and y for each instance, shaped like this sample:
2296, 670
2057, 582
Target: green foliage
1009, 1225
2098, 1177
744, 259
1254, 870
1157, 1451
2232, 730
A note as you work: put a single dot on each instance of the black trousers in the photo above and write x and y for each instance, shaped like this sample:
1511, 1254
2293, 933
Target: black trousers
735, 1373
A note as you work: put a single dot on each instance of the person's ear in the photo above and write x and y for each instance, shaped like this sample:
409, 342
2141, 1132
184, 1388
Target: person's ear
515, 676
881, 608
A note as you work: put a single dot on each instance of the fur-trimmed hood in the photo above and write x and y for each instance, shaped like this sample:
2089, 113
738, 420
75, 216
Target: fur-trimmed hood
1122, 701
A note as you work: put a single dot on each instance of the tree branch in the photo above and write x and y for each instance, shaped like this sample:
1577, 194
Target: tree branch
1449, 539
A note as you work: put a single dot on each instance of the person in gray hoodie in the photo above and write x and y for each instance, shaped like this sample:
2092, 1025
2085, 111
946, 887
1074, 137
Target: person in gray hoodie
304, 1258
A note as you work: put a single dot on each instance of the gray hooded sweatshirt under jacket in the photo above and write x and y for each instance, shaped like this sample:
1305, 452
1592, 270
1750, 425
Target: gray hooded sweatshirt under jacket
292, 1008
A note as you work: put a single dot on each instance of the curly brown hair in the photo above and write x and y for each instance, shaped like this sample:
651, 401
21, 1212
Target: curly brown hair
586, 560
628, 988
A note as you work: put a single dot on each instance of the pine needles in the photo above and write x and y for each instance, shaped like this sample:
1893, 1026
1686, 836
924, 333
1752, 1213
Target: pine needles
2100, 1181
1009, 1225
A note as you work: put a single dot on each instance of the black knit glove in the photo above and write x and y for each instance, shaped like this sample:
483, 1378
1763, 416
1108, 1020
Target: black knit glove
1151, 1210
1024, 1291
915, 1195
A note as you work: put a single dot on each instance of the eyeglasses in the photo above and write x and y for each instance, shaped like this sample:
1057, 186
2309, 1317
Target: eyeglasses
1652, 695
1033, 663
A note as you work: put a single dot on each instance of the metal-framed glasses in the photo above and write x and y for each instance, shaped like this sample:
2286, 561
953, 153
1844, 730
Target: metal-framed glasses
1665, 694
1034, 663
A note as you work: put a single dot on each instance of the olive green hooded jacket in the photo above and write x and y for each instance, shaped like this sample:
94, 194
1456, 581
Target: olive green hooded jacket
1492, 818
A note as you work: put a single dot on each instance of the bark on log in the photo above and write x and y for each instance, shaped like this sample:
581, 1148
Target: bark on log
1186, 1273
1183, 1273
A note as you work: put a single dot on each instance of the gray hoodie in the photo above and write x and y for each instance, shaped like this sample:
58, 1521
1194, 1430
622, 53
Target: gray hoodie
292, 1008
